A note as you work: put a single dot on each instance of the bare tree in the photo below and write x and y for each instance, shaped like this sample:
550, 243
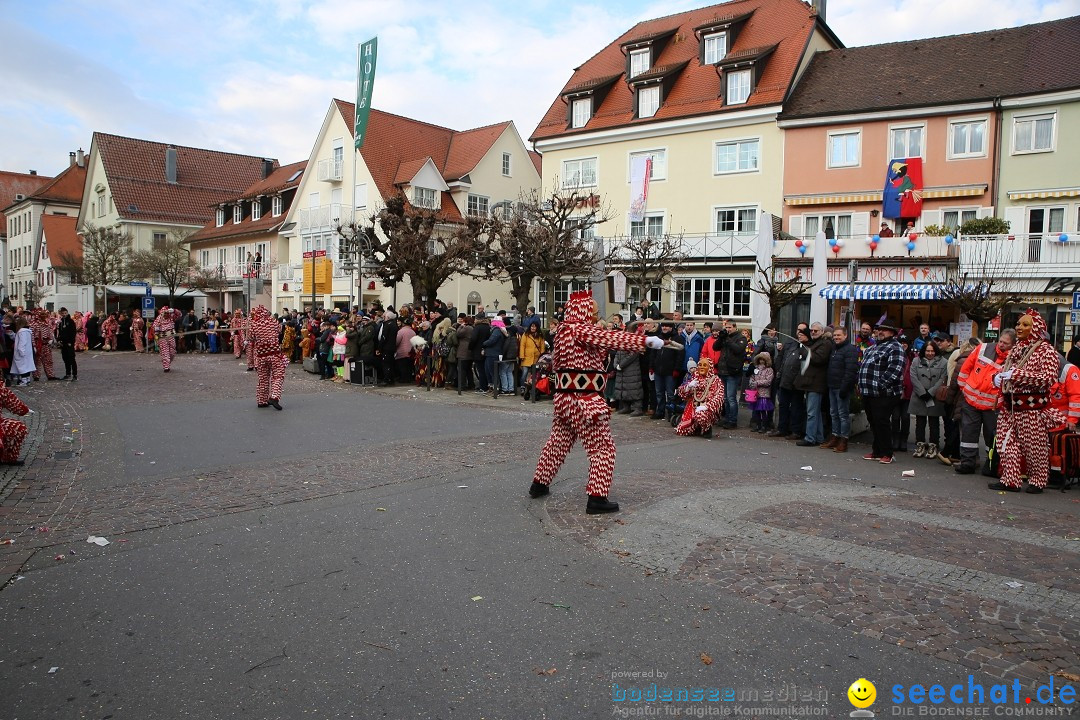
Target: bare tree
171, 262
102, 259
985, 286
647, 260
415, 242
547, 238
778, 293
208, 280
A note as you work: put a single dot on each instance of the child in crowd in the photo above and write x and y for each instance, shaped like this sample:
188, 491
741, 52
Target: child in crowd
761, 381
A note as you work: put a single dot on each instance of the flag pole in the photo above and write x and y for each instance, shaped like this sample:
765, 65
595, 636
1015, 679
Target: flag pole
353, 246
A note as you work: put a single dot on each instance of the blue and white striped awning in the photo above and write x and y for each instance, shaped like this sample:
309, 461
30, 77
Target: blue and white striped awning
914, 291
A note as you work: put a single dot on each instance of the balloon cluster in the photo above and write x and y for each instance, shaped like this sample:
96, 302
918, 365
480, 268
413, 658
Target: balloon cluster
873, 242
801, 247
912, 237
836, 244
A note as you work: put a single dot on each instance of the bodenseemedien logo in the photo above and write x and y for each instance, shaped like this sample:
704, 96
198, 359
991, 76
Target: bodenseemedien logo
861, 695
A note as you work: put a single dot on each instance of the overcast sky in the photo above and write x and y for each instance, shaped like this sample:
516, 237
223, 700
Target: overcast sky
257, 77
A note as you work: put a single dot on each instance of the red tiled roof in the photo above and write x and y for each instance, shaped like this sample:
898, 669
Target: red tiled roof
65, 187
136, 173
959, 68
696, 90
394, 144
276, 183
12, 184
537, 161
61, 235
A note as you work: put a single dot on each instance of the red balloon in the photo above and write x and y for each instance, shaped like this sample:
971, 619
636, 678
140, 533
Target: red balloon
798, 243
836, 248
873, 246
913, 236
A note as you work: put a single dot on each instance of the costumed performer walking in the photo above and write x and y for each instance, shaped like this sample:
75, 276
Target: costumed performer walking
270, 360
580, 411
165, 334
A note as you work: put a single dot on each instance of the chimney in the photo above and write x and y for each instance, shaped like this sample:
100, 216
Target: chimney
71, 159
819, 6
268, 167
80, 158
33, 172
170, 165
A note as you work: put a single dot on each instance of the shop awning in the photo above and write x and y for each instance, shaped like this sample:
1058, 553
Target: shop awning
157, 290
874, 196
1044, 194
913, 291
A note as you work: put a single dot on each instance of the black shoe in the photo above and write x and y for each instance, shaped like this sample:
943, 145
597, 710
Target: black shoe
730, 426
964, 469
250, 369
803, 443
166, 369
275, 404
66, 377
775, 433
988, 470
707, 433
75, 378
598, 505
53, 378
538, 490
1002, 486
23, 462
263, 404
1033, 490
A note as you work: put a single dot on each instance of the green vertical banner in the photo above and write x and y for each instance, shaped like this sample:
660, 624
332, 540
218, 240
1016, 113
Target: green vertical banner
365, 81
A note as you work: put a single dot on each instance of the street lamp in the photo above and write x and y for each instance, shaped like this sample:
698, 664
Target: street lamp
30, 294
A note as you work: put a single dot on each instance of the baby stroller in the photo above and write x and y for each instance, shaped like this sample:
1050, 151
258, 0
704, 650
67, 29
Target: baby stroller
540, 381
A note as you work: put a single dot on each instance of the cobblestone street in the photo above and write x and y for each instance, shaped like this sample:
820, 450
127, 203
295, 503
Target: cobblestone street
936, 566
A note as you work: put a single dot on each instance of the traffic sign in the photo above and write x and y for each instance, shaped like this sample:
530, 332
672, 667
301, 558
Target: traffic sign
149, 291
99, 293
137, 283
1076, 301
148, 303
1074, 317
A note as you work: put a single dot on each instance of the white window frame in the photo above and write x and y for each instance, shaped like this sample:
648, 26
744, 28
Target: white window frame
568, 170
719, 42
477, 205
904, 128
256, 209
738, 209
822, 217
220, 216
971, 210
649, 221
734, 81
204, 258
738, 143
687, 290
421, 199
506, 164
955, 122
101, 205
1033, 118
360, 195
637, 67
277, 205
659, 163
648, 101
238, 213
241, 257
836, 134
580, 112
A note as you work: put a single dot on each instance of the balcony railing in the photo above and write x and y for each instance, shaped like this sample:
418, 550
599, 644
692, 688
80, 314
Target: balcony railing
236, 272
1021, 255
707, 248
323, 218
330, 170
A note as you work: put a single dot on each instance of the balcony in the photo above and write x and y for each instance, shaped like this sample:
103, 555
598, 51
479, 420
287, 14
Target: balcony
323, 218
330, 170
1020, 255
710, 248
859, 248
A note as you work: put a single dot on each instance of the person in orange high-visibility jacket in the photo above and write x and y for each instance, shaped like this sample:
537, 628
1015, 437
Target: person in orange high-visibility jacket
978, 406
1065, 394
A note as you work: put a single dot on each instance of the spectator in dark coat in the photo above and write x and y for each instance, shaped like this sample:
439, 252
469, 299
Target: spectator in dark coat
628, 384
814, 383
667, 365
842, 374
732, 347
790, 404
481, 333
464, 354
386, 346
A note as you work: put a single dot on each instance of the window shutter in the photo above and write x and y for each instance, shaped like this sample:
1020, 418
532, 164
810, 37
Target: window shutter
795, 226
985, 212
860, 225
701, 49
931, 217
1015, 217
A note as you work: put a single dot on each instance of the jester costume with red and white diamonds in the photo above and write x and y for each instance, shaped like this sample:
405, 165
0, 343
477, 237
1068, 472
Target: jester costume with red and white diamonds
1025, 415
580, 411
703, 392
165, 335
12, 432
236, 332
270, 361
42, 333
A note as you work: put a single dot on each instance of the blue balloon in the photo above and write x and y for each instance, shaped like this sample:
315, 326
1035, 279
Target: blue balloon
802, 249
949, 239
1063, 238
910, 245
877, 238
832, 242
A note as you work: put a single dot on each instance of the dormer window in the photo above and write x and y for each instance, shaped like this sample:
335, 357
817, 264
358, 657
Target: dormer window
715, 47
582, 112
424, 198
220, 217
639, 62
648, 99
738, 87
238, 213
256, 208
276, 205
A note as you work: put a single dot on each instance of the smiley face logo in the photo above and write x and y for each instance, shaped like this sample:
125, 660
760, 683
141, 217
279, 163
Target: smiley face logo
862, 693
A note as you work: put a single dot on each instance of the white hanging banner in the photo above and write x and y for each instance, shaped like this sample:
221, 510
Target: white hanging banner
640, 170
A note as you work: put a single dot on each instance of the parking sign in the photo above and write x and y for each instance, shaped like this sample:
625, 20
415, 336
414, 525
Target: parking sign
148, 303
